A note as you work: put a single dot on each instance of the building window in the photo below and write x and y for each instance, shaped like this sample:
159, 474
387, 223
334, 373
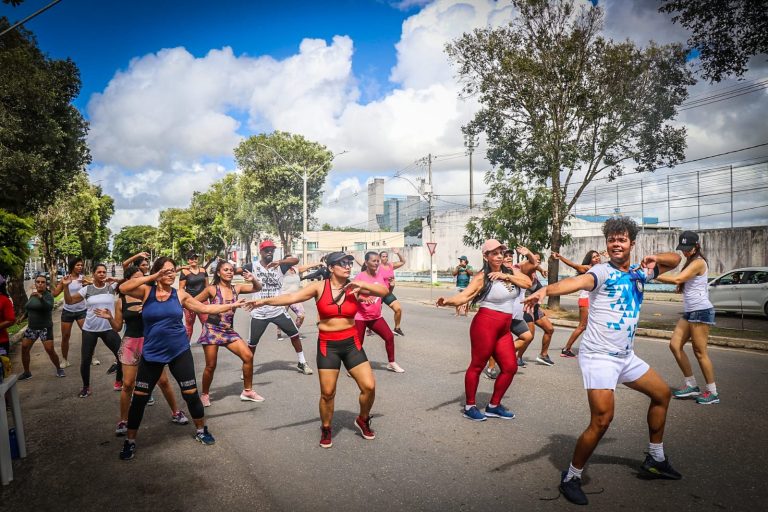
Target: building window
361, 246
311, 246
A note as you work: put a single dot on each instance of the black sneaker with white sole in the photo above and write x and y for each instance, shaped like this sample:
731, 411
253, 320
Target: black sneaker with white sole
571, 489
652, 468
398, 331
128, 451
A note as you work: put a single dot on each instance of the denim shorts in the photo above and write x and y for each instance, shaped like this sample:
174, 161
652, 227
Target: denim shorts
701, 316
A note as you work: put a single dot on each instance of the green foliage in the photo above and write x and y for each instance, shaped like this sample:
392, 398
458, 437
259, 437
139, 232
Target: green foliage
132, 240
414, 228
176, 233
348, 229
15, 235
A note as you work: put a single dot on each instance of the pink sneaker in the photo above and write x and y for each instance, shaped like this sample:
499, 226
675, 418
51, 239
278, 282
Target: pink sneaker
249, 395
205, 399
118, 385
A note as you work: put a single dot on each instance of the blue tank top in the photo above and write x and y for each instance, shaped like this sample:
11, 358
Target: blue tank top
164, 335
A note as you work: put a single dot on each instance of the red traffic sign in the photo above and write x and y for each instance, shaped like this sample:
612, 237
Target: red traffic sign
431, 246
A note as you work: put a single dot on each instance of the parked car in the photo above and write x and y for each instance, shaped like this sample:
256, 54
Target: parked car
742, 290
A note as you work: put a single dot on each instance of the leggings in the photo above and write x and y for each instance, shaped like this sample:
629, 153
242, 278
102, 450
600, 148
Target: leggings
189, 320
111, 339
380, 327
182, 368
490, 336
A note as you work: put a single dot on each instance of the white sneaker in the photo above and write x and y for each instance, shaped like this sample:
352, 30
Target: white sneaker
63, 363
394, 367
95, 362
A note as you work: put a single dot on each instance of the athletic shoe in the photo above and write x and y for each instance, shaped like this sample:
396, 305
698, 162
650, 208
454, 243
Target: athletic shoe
64, 363
394, 367
95, 362
60, 373
364, 426
249, 395
326, 435
151, 400
521, 363
118, 386
112, 369
206, 399
304, 368
545, 360
179, 418
655, 469
567, 353
25, 376
499, 412
474, 414
707, 398
490, 373
368, 332
205, 437
129, 449
280, 336
687, 392
572, 490
85, 392
398, 331
122, 428
302, 337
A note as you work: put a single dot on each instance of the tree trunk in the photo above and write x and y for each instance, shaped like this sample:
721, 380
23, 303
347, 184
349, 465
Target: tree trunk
17, 293
553, 268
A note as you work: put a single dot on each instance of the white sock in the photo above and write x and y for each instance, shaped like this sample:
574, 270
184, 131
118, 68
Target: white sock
131, 441
300, 356
200, 430
690, 381
712, 388
657, 451
573, 473
493, 406
468, 407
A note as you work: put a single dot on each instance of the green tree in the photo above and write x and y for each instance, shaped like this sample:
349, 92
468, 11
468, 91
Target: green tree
211, 213
562, 105
176, 232
134, 239
414, 227
15, 235
274, 188
725, 33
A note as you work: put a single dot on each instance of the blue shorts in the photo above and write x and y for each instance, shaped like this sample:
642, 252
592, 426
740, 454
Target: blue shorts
701, 316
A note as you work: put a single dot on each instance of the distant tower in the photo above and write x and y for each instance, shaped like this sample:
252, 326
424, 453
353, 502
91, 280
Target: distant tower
375, 203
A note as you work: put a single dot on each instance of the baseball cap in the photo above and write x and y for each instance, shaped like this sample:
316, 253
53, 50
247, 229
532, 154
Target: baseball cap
266, 244
463, 258
337, 257
491, 245
191, 255
687, 241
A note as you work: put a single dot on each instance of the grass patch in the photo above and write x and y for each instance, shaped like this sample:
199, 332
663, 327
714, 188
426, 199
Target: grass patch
17, 327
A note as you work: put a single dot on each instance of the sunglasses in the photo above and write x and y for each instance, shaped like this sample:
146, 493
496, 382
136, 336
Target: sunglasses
344, 263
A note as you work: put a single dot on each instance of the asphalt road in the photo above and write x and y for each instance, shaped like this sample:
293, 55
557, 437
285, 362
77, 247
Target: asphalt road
425, 457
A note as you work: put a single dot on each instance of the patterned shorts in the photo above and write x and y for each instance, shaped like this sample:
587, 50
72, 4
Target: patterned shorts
44, 334
130, 351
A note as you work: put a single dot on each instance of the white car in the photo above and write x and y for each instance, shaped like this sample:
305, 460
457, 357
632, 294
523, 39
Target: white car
742, 290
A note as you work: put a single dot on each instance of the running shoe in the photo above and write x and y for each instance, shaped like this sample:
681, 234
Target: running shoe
545, 360
654, 469
112, 368
572, 490
302, 337
60, 373
85, 392
474, 414
151, 400
521, 363
687, 392
128, 451
707, 398
25, 376
118, 386
398, 331
326, 437
64, 363
499, 412
249, 395
206, 399
280, 336
567, 353
304, 368
95, 362
205, 437
490, 373
394, 367
364, 426
179, 418
122, 428
368, 332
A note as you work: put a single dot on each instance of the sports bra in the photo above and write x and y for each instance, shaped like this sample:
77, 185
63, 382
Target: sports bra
327, 308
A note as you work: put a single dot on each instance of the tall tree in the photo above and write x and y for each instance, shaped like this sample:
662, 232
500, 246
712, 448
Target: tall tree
725, 33
15, 235
211, 213
562, 105
175, 232
274, 186
132, 240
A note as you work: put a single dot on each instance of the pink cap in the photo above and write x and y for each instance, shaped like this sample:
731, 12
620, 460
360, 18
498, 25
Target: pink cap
491, 245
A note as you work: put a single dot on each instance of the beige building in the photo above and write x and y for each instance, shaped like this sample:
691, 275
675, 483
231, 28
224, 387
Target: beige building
322, 242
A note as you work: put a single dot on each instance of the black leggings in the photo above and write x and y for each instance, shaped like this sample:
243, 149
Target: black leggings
182, 368
111, 339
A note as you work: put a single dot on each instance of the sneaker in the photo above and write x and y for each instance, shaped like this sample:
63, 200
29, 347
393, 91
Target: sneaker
122, 428
521, 363
151, 400
95, 362
545, 360
206, 399
249, 395
25, 376
280, 336
572, 490
654, 469
205, 437
567, 353
474, 414
64, 363
326, 435
368, 332
364, 426
394, 367
490, 373
118, 385
128, 451
707, 398
304, 368
499, 412
85, 392
179, 418
302, 337
60, 373
687, 392
112, 368
398, 331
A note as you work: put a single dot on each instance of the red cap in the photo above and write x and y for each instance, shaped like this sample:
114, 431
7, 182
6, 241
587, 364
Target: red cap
265, 244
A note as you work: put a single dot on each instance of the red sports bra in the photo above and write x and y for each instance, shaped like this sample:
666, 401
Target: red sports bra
326, 308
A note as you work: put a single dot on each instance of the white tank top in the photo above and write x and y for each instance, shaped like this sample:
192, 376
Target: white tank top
501, 297
74, 289
696, 293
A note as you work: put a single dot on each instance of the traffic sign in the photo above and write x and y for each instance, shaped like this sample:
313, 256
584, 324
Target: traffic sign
431, 246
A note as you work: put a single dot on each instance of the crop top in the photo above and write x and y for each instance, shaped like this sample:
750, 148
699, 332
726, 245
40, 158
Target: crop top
327, 308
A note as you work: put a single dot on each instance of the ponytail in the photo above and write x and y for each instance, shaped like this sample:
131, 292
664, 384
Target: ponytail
696, 254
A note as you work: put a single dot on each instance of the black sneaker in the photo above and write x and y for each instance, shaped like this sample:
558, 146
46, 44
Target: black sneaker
128, 451
112, 369
25, 376
653, 469
572, 490
398, 331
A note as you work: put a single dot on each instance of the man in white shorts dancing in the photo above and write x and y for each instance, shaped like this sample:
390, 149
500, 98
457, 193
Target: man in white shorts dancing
607, 357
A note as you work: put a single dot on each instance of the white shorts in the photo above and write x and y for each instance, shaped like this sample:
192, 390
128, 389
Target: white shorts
601, 371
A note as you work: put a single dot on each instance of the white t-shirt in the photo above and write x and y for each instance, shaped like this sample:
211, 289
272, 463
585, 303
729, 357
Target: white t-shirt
75, 287
271, 286
614, 309
98, 298
501, 297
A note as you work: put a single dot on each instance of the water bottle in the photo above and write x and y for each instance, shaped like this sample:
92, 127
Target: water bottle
14, 442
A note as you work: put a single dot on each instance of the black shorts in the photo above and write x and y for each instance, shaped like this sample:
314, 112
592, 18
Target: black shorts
519, 327
389, 298
259, 325
72, 316
330, 354
538, 314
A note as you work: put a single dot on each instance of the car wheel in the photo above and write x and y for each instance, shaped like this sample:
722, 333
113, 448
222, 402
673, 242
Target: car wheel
765, 309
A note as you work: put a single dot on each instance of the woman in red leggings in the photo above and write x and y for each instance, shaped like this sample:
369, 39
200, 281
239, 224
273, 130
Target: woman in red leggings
495, 290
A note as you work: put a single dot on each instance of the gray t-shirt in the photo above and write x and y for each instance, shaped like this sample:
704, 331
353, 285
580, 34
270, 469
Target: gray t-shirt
98, 298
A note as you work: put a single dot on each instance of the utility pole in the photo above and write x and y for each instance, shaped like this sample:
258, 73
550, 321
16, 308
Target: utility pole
471, 202
731, 196
430, 190
669, 215
698, 202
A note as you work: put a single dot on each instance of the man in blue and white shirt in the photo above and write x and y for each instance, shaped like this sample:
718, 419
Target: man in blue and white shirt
607, 356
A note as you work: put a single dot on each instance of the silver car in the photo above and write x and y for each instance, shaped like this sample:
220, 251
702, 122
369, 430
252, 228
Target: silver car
743, 290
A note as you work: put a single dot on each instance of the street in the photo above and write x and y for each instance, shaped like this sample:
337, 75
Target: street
426, 456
